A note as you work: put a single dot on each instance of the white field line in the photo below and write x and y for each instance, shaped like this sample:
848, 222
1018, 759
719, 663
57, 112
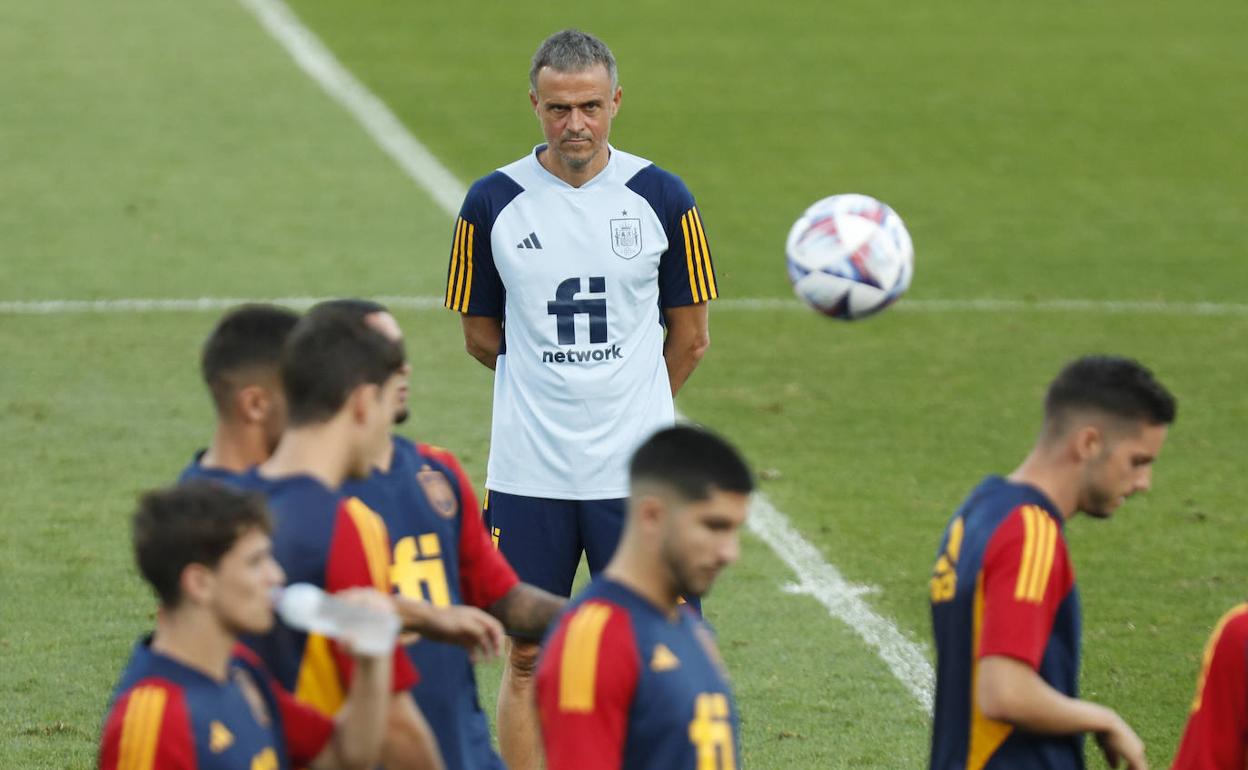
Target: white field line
981, 305
906, 659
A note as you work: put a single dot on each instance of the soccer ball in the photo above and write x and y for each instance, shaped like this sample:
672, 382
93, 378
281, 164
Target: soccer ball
849, 256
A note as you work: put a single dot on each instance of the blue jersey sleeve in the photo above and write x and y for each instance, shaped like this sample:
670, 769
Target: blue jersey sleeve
686, 273
473, 286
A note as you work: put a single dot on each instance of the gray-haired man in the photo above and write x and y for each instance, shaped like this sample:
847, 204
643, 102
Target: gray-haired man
598, 262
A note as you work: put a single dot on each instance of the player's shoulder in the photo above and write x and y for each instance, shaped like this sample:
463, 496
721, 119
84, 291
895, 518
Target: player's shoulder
1232, 627
492, 193
148, 727
440, 457
663, 190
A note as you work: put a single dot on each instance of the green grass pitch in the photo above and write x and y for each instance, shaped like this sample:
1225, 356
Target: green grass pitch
1068, 150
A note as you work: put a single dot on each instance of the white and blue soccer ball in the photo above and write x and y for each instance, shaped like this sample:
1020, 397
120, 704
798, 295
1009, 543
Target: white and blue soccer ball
849, 256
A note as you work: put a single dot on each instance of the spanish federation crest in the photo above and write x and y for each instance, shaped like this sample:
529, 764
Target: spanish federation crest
438, 491
626, 237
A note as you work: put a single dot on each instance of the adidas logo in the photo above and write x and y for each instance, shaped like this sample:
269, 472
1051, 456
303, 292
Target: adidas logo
663, 659
219, 737
530, 243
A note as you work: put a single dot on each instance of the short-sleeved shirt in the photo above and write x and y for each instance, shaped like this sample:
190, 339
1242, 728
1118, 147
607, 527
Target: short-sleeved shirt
441, 554
1216, 737
336, 543
579, 276
622, 684
1003, 585
168, 716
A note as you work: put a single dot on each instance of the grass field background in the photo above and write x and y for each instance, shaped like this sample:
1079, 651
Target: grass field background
1076, 150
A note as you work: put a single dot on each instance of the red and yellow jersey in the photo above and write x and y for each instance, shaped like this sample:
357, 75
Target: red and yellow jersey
620, 684
1216, 737
333, 542
167, 716
1003, 585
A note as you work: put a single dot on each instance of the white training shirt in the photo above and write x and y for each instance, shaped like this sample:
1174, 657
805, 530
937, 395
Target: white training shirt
579, 276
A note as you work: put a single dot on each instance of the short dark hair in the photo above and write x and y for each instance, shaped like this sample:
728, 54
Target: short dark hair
330, 353
1112, 385
693, 461
247, 337
194, 523
571, 50
353, 305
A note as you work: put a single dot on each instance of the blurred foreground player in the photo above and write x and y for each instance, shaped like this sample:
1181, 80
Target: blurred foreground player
192, 698
1216, 737
241, 365
1005, 611
442, 554
342, 382
630, 678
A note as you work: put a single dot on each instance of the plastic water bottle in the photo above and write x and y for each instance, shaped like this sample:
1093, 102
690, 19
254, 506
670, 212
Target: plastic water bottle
308, 608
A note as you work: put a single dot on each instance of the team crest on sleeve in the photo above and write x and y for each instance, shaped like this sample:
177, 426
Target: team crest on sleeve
626, 237
439, 492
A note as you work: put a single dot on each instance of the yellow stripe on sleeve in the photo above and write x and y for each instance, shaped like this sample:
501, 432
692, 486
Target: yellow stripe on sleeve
706, 256
140, 728
1029, 555
463, 266
699, 296
693, 284
374, 537
578, 667
450, 277
472, 230
1047, 547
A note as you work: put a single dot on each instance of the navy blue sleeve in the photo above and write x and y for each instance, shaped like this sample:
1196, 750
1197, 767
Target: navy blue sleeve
686, 273
473, 286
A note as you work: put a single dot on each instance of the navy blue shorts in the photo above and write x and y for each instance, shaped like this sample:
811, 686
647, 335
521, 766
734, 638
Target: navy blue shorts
543, 539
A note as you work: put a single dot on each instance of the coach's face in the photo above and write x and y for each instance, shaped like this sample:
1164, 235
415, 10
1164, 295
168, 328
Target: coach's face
575, 110
241, 586
1121, 466
701, 538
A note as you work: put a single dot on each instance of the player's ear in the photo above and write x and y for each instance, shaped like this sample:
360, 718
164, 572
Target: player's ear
253, 403
359, 401
196, 583
533, 99
615, 100
1089, 441
650, 510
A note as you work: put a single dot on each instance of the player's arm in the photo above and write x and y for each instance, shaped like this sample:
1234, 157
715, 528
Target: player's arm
360, 725
527, 610
688, 337
1009, 690
1026, 577
409, 743
586, 680
483, 338
148, 728
468, 627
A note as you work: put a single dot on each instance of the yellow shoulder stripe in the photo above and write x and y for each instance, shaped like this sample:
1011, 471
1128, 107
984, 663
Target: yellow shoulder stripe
140, 728
706, 256
1039, 548
698, 258
578, 666
459, 276
376, 542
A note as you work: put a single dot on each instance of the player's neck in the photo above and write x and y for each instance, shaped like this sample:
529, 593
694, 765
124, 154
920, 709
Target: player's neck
319, 451
1050, 478
551, 161
644, 579
194, 638
235, 448
383, 460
